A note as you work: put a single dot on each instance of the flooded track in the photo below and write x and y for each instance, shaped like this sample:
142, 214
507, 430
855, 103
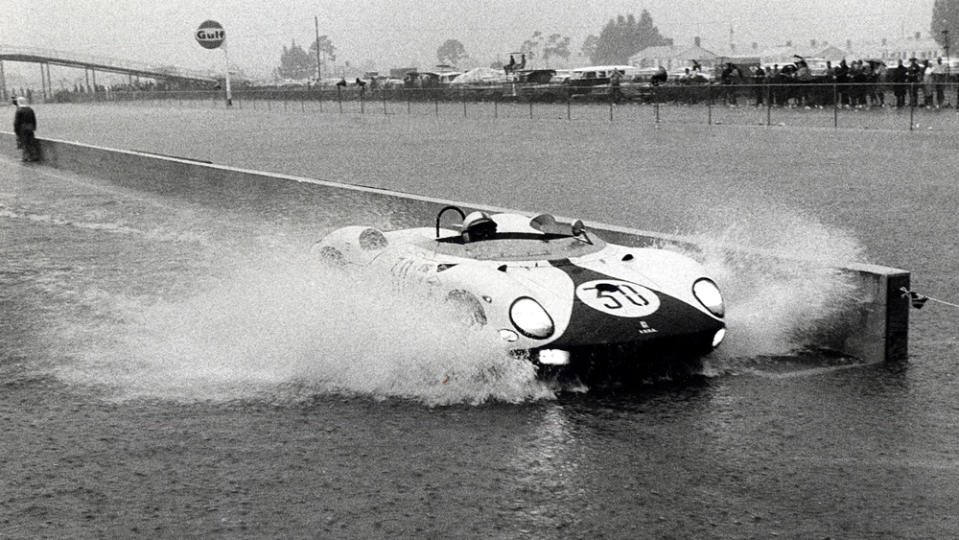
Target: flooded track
172, 369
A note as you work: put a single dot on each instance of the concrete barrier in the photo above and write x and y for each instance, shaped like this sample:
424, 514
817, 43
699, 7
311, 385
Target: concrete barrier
874, 329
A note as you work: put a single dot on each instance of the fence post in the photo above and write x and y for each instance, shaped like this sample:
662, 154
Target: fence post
436, 106
709, 103
531, 108
656, 104
339, 97
769, 105
285, 95
569, 112
835, 105
610, 109
912, 105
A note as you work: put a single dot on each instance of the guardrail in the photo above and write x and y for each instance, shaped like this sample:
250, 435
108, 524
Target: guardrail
874, 327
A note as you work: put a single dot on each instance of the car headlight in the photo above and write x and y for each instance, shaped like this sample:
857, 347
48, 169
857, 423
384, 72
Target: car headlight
709, 296
530, 318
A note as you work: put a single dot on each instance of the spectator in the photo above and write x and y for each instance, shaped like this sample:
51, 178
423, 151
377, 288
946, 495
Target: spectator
24, 125
914, 77
927, 84
759, 77
897, 76
731, 76
842, 82
940, 76
660, 77
614, 81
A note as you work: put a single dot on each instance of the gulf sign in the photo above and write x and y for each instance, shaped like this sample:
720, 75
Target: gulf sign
210, 34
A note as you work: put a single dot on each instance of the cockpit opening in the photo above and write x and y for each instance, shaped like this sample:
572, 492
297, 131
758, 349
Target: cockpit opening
478, 226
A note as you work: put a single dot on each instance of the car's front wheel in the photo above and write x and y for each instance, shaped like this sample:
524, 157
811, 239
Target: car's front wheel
467, 307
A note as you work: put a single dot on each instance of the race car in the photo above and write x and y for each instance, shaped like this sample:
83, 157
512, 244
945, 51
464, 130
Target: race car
555, 293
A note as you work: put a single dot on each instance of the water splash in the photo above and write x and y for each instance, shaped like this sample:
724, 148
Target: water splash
780, 274
290, 331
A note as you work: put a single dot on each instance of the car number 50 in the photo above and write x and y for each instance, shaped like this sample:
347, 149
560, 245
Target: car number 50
619, 298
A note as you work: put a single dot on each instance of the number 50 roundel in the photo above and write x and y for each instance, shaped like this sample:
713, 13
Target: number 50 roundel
619, 298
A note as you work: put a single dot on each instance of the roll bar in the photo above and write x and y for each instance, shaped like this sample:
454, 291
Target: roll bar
440, 215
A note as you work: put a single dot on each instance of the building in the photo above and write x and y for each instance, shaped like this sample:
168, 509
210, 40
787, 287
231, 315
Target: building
919, 46
673, 57
786, 54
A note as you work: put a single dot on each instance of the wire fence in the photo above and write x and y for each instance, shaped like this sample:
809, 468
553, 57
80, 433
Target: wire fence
865, 106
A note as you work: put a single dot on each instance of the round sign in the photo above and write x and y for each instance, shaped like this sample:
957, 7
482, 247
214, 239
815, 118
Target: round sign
210, 34
619, 298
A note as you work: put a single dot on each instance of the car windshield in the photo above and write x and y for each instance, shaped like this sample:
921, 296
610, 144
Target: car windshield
522, 247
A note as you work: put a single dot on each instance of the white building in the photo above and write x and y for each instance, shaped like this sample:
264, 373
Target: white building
672, 57
890, 50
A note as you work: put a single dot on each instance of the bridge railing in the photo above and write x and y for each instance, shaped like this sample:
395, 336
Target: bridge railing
55, 56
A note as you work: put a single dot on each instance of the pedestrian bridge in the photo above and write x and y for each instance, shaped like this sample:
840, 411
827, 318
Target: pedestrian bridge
92, 63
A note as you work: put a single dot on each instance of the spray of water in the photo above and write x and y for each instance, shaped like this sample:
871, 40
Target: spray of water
780, 273
290, 331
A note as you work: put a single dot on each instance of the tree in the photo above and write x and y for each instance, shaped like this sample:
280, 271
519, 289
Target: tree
945, 18
556, 45
295, 63
624, 37
531, 46
326, 49
589, 46
451, 52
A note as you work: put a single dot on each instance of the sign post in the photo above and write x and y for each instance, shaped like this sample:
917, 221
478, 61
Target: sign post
211, 35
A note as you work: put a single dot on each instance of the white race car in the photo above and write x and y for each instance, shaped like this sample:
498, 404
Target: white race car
554, 292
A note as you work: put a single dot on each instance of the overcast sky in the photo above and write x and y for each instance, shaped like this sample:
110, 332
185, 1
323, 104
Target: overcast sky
394, 33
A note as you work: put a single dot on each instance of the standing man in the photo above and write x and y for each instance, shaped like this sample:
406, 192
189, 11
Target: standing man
24, 125
914, 77
940, 78
759, 80
897, 76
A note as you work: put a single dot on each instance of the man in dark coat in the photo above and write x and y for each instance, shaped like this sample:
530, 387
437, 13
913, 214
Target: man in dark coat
897, 76
914, 76
24, 125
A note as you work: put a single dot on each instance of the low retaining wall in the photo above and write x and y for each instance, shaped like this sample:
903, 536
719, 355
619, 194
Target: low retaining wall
876, 328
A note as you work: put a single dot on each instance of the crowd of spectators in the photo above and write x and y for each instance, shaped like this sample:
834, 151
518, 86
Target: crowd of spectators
857, 84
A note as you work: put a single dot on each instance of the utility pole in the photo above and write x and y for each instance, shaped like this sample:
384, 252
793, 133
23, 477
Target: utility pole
319, 72
945, 41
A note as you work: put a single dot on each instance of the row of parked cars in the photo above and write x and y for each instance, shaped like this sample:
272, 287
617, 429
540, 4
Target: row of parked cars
546, 85
592, 82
